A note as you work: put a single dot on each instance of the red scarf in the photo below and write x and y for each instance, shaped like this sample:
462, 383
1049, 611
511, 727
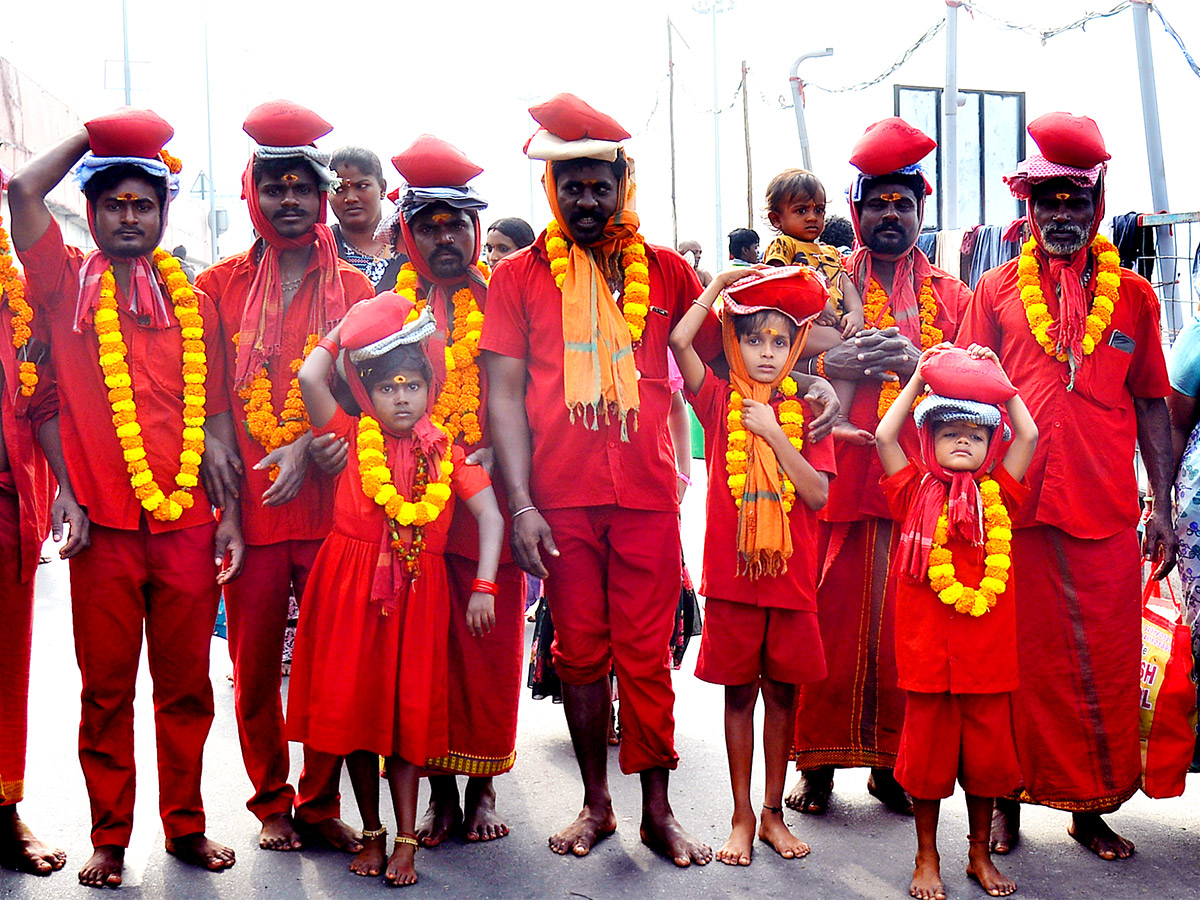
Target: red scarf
911, 271
261, 330
145, 299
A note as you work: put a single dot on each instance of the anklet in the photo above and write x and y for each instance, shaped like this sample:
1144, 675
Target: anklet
410, 839
774, 809
375, 832
971, 840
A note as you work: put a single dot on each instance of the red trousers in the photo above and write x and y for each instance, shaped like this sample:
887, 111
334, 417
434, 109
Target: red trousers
613, 592
256, 605
963, 736
485, 674
167, 583
16, 611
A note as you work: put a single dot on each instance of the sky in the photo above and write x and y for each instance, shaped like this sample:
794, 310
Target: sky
468, 71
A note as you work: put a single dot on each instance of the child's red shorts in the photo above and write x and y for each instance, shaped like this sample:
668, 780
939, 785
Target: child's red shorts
963, 736
742, 643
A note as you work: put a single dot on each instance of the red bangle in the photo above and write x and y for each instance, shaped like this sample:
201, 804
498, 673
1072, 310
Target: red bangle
821, 364
479, 586
329, 346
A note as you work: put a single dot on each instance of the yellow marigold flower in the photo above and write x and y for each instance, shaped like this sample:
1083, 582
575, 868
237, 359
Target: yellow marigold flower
995, 585
951, 594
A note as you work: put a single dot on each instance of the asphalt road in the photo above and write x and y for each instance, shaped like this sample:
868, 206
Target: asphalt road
860, 850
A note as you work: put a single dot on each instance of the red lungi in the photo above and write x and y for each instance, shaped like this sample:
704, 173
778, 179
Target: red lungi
742, 642
854, 716
613, 593
256, 604
485, 674
1079, 651
16, 610
168, 582
968, 736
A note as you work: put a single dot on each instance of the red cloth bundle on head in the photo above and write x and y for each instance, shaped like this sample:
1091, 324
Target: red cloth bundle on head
796, 291
573, 129
953, 372
891, 145
128, 132
282, 123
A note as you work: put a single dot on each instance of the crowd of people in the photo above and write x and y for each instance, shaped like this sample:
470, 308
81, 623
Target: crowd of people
921, 543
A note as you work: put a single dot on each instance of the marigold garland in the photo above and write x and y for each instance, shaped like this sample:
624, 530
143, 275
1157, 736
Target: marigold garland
997, 563
456, 410
112, 352
377, 484
878, 315
22, 314
271, 431
1104, 301
737, 454
635, 297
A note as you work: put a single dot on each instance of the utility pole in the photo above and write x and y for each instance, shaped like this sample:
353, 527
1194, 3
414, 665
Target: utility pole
671, 125
716, 130
749, 168
125, 40
798, 103
950, 117
212, 181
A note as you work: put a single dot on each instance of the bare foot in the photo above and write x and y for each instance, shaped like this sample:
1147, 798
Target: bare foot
1093, 832
202, 852
663, 834
980, 868
739, 847
1006, 826
581, 835
927, 878
278, 833
481, 821
811, 795
401, 870
369, 861
772, 829
851, 434
331, 832
440, 821
883, 786
103, 868
22, 851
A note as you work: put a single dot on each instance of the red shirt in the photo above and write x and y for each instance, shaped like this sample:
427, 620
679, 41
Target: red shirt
856, 494
573, 463
155, 356
29, 474
1082, 471
795, 588
308, 516
937, 648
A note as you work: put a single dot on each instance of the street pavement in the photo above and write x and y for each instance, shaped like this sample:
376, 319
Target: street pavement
860, 850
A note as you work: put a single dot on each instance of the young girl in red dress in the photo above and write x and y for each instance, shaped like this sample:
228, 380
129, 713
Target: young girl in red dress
369, 671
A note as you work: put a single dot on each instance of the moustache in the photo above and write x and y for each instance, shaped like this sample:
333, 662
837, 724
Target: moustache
452, 252
889, 226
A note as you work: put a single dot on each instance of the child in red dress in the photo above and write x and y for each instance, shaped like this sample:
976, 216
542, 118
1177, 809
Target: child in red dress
369, 672
766, 481
956, 642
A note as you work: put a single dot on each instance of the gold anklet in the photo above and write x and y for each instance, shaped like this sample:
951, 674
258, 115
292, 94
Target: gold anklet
374, 832
410, 839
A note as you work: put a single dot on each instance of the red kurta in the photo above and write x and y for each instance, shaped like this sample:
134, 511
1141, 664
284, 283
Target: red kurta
362, 680
1077, 584
854, 716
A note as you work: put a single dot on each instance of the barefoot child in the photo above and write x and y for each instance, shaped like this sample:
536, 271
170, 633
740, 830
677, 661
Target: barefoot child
766, 481
956, 645
796, 210
370, 666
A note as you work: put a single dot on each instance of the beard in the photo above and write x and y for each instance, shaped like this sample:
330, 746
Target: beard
1064, 240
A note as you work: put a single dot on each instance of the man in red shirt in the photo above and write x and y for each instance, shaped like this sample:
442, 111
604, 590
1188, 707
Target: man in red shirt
1080, 337
579, 404
854, 716
275, 301
145, 382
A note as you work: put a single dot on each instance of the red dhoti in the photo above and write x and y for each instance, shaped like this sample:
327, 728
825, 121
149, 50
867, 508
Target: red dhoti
854, 717
613, 592
256, 604
167, 582
1079, 650
485, 674
964, 736
16, 609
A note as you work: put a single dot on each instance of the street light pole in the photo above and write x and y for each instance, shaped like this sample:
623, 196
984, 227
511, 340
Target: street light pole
798, 102
212, 181
125, 41
950, 119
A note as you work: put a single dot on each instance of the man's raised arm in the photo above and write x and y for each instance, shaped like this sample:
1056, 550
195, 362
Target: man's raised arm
33, 181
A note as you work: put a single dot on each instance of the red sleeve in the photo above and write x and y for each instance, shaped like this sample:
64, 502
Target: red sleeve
710, 402
820, 454
51, 269
216, 393
341, 425
1147, 377
900, 489
505, 326
977, 325
467, 481
355, 284
1014, 492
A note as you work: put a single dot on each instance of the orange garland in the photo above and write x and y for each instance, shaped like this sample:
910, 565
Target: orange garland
271, 431
22, 314
635, 299
1104, 300
877, 315
112, 352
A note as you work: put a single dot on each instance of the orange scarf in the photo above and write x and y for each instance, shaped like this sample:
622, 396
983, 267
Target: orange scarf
764, 538
599, 374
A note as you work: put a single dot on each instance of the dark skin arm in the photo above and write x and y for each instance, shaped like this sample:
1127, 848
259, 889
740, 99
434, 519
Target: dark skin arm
873, 353
66, 508
1159, 541
30, 217
514, 453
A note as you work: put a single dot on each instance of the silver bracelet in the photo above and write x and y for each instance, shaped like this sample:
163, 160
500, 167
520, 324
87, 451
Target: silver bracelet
524, 509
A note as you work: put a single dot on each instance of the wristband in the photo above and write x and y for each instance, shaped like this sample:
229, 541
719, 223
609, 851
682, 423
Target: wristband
329, 346
524, 509
684, 478
821, 364
480, 586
